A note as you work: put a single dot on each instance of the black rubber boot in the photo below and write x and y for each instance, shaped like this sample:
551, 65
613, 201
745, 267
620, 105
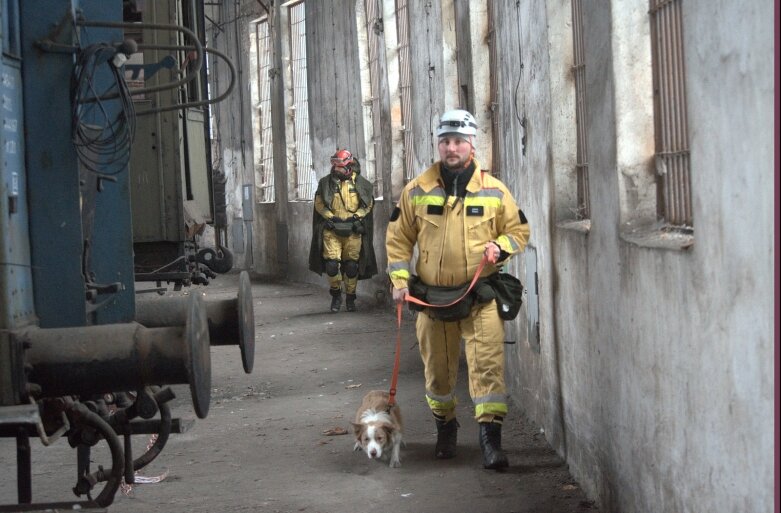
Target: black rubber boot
491, 444
350, 305
336, 300
447, 437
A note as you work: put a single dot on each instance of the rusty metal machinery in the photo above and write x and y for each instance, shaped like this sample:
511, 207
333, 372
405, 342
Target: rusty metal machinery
79, 361
72, 376
80, 357
231, 321
174, 192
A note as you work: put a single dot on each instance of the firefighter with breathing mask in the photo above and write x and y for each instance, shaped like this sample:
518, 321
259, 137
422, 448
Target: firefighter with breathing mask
457, 214
342, 229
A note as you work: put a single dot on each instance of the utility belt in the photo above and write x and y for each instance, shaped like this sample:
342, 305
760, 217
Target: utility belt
347, 228
503, 288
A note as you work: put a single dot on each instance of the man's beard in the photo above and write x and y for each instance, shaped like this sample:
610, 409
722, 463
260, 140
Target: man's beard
459, 164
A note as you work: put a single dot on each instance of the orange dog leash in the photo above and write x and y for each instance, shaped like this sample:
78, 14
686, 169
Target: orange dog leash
471, 286
395, 376
407, 297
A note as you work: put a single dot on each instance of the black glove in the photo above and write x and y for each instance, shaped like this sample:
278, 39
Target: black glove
329, 224
358, 226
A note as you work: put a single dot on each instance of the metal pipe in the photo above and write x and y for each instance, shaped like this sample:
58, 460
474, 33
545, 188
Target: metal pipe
153, 26
162, 435
218, 99
102, 359
112, 476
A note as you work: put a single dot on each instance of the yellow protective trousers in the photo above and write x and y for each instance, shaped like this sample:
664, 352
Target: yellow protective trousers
440, 349
342, 249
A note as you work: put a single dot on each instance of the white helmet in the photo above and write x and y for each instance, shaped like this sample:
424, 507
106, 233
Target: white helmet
457, 121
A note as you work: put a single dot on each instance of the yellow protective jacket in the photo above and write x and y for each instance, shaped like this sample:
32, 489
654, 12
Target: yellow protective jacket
337, 198
345, 199
451, 234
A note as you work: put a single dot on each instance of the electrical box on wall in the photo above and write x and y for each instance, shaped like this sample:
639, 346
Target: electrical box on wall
246, 202
237, 230
532, 299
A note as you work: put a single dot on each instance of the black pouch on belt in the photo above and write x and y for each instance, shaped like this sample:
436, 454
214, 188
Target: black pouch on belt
441, 296
509, 294
343, 228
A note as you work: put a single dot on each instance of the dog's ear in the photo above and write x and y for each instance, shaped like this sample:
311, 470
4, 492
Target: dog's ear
357, 429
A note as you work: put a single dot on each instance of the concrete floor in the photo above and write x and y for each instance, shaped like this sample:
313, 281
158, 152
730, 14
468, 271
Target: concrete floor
263, 447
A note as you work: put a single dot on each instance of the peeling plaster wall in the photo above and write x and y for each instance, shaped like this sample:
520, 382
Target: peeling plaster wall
666, 356
525, 152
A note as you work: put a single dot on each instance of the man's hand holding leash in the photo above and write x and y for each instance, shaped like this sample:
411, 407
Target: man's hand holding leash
399, 294
492, 252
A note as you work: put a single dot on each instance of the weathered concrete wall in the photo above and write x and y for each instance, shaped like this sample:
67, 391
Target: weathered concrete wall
525, 153
665, 354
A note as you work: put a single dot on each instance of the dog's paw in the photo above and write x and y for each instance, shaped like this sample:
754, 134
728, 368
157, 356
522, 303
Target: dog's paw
395, 464
357, 447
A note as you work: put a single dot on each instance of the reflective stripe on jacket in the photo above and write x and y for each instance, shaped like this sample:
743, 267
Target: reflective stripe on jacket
451, 234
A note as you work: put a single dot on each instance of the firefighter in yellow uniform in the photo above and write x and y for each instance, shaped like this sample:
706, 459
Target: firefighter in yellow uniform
342, 228
456, 214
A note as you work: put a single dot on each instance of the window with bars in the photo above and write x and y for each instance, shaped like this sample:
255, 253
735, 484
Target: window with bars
304, 175
260, 61
405, 88
582, 209
374, 44
670, 119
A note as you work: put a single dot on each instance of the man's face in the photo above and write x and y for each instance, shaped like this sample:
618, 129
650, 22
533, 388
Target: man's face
455, 151
342, 170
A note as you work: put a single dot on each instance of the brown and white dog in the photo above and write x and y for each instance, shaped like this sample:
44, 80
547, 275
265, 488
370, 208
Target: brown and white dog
378, 428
